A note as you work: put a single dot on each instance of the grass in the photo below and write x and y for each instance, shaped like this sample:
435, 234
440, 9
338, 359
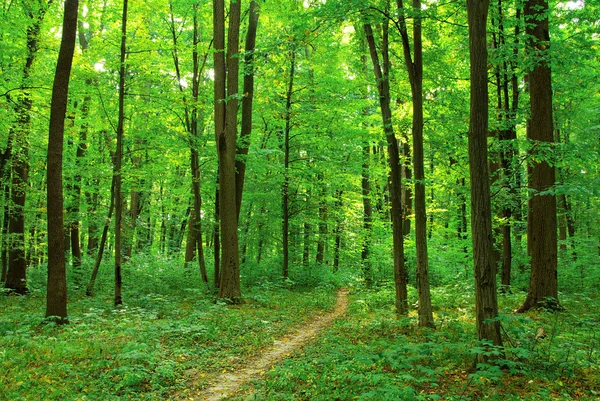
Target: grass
169, 334
372, 355
171, 338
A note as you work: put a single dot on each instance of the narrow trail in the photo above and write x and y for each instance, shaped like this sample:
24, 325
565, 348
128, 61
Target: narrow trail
227, 384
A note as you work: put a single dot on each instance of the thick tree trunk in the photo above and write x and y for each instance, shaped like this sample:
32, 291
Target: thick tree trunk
56, 299
395, 175
226, 133
542, 236
486, 302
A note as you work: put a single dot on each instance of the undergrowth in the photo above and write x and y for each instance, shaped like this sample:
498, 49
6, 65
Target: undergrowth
372, 355
169, 333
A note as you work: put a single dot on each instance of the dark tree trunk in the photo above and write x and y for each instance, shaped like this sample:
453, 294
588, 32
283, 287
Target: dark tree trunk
542, 236
321, 239
248, 93
306, 244
217, 240
286, 167
118, 162
486, 302
395, 177
226, 133
339, 227
56, 299
90, 288
367, 217
414, 68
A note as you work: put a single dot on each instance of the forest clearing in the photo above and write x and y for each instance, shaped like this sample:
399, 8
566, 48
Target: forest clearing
299, 200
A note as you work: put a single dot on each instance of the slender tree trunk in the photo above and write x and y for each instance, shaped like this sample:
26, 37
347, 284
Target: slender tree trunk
542, 238
395, 177
56, 299
338, 231
322, 225
90, 287
486, 302
286, 167
415, 73
367, 217
118, 161
306, 244
248, 93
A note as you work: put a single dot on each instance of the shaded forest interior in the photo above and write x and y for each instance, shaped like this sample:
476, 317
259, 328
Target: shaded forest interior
184, 183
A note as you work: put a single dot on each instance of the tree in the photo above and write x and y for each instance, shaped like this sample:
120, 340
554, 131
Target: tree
247, 102
56, 300
118, 160
542, 221
414, 67
395, 176
486, 302
226, 104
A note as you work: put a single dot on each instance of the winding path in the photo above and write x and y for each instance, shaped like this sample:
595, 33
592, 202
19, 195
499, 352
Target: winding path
227, 384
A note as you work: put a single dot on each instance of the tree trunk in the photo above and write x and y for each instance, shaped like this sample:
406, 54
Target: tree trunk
486, 302
395, 177
415, 74
542, 238
56, 299
338, 231
367, 217
286, 166
322, 225
248, 93
226, 132
90, 288
118, 161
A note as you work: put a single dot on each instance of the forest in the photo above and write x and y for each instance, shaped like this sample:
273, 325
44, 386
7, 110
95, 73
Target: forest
300, 200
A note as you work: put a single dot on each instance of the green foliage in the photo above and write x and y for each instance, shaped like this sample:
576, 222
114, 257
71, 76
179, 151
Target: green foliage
168, 334
373, 355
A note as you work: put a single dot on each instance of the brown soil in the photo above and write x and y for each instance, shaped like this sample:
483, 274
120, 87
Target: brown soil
227, 384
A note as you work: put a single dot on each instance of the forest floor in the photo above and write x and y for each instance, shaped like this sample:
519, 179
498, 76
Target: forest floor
228, 383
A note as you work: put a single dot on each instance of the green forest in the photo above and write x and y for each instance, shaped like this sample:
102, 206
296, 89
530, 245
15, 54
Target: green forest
300, 200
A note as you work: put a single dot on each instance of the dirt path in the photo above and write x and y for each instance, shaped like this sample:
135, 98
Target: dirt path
227, 384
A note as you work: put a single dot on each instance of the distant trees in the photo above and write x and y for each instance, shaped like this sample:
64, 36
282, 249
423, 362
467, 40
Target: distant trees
16, 155
306, 184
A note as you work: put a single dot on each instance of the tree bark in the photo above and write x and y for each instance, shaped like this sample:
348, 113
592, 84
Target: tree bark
395, 178
542, 224
118, 299
486, 302
248, 96
56, 299
415, 75
226, 133
367, 217
286, 167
